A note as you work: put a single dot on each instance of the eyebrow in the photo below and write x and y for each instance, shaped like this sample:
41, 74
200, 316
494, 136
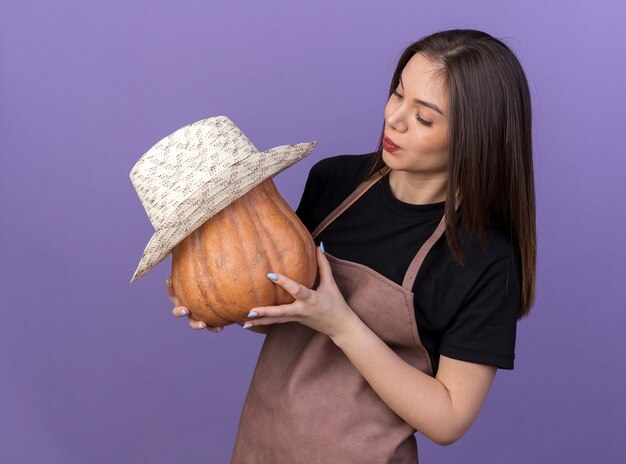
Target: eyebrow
422, 102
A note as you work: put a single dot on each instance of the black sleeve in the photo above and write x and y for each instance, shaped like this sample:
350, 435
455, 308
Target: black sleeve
484, 329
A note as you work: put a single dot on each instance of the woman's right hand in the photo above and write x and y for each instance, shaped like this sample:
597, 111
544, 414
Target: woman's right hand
180, 311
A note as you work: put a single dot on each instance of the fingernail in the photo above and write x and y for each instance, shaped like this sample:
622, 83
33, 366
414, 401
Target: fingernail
168, 282
272, 276
200, 325
322, 247
183, 312
252, 314
247, 326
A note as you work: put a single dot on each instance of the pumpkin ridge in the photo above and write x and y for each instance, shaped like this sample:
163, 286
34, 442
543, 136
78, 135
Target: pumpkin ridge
269, 237
246, 210
234, 219
291, 217
228, 261
268, 201
297, 230
224, 257
195, 268
258, 289
201, 278
278, 204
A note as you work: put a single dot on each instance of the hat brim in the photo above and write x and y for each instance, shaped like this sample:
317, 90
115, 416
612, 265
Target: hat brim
214, 195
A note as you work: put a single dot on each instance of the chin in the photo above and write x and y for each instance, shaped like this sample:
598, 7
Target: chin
390, 160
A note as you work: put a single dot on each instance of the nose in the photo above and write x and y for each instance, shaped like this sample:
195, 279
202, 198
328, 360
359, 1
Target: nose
396, 119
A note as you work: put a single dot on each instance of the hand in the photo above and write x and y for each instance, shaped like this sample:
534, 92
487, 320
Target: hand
180, 311
323, 309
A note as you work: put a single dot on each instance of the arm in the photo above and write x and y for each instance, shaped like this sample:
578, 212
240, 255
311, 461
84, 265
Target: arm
441, 408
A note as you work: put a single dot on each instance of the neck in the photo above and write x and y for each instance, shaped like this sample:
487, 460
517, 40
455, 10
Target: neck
418, 189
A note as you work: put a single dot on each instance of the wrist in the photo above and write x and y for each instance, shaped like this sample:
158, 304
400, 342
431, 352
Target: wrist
348, 329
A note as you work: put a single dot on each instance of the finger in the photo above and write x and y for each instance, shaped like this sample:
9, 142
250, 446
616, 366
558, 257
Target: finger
291, 310
196, 324
170, 291
326, 273
180, 311
296, 290
200, 325
266, 321
215, 329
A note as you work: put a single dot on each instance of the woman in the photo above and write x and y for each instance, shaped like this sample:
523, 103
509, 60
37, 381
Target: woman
405, 328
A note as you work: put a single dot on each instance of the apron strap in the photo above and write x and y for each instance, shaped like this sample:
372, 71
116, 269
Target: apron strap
414, 267
354, 196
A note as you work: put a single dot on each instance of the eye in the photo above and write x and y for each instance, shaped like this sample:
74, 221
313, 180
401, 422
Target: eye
422, 121
417, 115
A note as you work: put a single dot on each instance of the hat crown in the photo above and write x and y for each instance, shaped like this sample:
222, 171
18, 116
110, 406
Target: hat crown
178, 164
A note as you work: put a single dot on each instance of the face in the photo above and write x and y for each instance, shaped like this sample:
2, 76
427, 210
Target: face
419, 130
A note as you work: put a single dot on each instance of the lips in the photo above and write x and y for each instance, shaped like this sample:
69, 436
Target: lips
388, 144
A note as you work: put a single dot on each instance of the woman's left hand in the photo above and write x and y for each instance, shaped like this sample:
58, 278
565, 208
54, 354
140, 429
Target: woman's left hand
323, 309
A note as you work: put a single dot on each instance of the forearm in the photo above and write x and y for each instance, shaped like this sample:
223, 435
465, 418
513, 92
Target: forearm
419, 399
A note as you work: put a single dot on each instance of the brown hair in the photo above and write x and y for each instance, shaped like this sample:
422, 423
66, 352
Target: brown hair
490, 162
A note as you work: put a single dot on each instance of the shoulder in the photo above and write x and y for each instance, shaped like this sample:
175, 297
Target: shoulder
499, 245
493, 274
330, 180
349, 169
496, 262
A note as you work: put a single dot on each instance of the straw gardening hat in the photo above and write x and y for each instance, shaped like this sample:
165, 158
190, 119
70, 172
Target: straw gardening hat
195, 172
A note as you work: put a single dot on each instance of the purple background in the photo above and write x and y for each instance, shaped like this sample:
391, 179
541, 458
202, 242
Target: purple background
96, 370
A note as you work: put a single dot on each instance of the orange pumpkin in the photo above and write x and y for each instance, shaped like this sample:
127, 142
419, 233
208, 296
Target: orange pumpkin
219, 271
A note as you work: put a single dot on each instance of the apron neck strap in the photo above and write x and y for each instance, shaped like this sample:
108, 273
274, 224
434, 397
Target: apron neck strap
354, 196
414, 267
